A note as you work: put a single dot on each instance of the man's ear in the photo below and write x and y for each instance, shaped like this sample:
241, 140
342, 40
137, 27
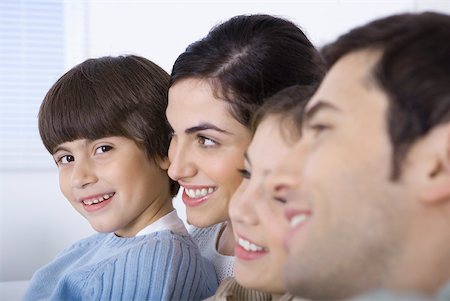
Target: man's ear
438, 187
163, 163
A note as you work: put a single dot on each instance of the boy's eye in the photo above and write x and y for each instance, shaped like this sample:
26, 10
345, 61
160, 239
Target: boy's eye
206, 142
66, 159
103, 149
245, 173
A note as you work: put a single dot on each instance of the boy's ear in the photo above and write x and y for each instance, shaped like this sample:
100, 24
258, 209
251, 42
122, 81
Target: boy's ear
437, 189
163, 163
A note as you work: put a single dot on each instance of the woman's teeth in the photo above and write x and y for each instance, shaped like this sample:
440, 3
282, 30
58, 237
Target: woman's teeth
98, 200
197, 193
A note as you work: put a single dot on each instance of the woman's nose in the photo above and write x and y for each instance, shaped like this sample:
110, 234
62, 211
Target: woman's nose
182, 164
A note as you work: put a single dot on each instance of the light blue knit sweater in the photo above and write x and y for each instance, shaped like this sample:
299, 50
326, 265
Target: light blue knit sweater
158, 266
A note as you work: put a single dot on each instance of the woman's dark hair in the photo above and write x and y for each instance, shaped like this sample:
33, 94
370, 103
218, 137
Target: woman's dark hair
414, 72
109, 96
248, 59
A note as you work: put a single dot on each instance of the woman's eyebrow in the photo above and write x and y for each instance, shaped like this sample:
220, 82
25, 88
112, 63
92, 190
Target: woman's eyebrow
205, 126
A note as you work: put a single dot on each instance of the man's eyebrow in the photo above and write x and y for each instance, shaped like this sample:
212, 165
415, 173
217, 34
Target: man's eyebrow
320, 105
205, 126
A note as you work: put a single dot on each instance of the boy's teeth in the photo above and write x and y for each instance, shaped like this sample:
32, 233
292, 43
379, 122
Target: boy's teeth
298, 219
197, 193
99, 200
248, 246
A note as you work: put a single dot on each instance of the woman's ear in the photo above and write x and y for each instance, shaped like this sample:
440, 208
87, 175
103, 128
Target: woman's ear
438, 188
163, 163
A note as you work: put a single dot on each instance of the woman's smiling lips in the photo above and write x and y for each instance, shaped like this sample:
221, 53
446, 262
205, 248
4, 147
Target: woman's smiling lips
196, 195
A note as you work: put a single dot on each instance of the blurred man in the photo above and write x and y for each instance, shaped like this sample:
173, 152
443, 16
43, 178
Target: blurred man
369, 206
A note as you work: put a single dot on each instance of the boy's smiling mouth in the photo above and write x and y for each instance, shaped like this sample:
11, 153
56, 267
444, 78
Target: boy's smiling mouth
97, 199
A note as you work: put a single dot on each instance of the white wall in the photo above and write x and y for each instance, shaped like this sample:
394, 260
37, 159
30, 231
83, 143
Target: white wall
36, 221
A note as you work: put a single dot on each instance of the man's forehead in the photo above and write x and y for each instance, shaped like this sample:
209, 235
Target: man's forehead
350, 75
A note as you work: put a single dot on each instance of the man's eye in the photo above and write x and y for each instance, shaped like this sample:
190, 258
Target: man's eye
206, 142
66, 159
103, 149
245, 173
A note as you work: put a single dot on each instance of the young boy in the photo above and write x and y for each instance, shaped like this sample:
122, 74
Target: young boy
104, 124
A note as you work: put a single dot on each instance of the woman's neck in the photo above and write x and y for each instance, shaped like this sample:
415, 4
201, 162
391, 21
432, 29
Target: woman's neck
225, 242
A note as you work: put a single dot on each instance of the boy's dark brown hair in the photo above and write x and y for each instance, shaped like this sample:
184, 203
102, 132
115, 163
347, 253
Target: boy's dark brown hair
109, 96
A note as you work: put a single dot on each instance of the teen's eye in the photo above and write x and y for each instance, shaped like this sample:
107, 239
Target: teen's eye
206, 142
66, 159
319, 127
245, 173
103, 149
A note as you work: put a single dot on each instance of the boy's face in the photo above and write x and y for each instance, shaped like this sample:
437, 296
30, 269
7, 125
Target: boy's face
112, 183
346, 214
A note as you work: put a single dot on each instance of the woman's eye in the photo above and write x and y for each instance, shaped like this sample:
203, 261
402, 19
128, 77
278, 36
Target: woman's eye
206, 142
245, 173
103, 149
65, 159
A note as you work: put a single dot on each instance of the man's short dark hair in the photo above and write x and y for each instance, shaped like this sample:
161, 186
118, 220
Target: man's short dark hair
414, 72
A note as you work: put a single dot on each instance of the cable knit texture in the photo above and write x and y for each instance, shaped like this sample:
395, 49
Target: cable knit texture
230, 290
158, 266
206, 239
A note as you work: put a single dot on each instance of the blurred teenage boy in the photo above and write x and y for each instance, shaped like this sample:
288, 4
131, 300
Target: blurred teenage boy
104, 124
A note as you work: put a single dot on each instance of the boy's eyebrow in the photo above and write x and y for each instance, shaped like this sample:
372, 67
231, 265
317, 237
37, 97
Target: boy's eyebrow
62, 148
319, 106
59, 148
205, 126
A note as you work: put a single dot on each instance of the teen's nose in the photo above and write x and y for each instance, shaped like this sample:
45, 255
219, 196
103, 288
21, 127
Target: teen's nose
83, 174
287, 175
242, 204
182, 164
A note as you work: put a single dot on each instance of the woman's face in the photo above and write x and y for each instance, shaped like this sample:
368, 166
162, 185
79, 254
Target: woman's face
206, 150
258, 220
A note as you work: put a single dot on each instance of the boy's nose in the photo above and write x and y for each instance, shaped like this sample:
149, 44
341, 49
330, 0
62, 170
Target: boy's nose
82, 174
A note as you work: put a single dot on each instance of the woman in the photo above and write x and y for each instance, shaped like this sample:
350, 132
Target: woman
216, 85
258, 219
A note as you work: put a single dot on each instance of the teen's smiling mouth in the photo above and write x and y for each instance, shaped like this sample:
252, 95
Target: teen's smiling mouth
247, 250
96, 202
196, 195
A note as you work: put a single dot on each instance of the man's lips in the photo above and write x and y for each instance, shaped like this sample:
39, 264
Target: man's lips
297, 220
